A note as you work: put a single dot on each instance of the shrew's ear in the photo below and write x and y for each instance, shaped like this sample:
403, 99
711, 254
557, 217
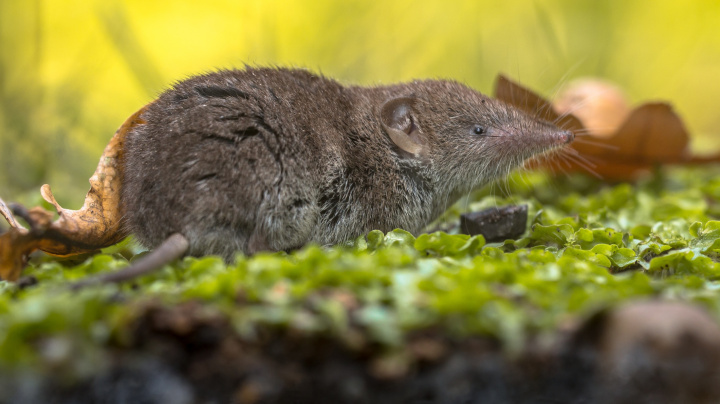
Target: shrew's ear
398, 120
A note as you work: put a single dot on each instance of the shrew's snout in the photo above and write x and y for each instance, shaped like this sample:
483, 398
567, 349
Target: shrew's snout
564, 137
568, 136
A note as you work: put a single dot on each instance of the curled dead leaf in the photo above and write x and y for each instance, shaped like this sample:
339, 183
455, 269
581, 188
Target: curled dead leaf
533, 104
96, 225
7, 214
651, 134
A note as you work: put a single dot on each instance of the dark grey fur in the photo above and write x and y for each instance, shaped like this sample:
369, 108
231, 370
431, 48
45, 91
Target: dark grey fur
263, 158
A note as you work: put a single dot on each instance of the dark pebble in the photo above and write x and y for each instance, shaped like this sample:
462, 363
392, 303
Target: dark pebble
496, 224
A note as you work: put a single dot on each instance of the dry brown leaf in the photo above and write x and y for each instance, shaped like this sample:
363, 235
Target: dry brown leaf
96, 225
652, 134
7, 214
526, 100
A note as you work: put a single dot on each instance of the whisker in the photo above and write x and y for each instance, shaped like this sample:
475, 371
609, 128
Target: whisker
574, 153
578, 160
583, 132
597, 143
565, 170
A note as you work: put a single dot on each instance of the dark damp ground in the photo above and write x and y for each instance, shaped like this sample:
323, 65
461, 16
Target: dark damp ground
181, 355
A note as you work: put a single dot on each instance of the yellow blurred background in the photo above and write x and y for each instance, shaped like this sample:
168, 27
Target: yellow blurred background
71, 71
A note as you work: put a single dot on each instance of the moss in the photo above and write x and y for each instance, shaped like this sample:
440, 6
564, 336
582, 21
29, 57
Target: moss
588, 246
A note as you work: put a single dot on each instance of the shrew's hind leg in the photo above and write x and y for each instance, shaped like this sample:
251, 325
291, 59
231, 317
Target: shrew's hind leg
286, 223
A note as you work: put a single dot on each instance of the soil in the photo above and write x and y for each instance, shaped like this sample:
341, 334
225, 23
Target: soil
188, 354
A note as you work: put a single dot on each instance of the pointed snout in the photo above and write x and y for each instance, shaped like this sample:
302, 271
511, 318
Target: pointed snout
565, 137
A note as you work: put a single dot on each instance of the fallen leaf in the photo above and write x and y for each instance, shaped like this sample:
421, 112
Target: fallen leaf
7, 214
96, 225
651, 135
526, 100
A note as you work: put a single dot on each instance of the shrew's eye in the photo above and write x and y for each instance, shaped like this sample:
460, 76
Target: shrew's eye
478, 129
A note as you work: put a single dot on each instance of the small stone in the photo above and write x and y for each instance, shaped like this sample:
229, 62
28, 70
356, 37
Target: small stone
496, 224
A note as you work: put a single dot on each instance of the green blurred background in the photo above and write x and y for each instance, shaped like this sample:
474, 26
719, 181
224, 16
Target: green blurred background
71, 71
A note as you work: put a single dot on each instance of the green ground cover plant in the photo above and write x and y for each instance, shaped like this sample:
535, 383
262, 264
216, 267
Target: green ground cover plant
588, 246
